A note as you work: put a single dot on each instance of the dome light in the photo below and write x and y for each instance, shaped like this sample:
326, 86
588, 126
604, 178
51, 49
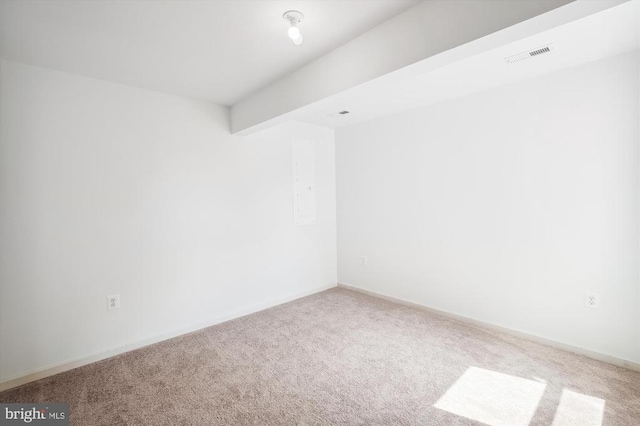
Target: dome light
294, 17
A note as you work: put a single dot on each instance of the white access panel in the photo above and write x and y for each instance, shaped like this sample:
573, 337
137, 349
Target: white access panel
304, 191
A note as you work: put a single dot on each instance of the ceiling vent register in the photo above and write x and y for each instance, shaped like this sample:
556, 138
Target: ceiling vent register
529, 54
339, 113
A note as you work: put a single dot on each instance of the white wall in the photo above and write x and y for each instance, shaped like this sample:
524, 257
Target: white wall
111, 189
505, 206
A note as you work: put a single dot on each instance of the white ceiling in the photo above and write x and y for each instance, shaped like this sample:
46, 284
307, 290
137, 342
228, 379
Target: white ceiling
610, 32
217, 50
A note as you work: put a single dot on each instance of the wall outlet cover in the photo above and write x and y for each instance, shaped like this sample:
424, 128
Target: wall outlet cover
591, 299
113, 302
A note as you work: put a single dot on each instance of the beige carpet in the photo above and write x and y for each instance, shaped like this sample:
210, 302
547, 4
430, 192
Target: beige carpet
340, 357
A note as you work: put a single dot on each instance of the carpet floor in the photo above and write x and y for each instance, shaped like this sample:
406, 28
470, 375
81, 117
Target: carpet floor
343, 358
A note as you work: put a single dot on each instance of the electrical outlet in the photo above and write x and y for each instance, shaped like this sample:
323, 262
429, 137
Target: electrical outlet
591, 299
365, 260
113, 302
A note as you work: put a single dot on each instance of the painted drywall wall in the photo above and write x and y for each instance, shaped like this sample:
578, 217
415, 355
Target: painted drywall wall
111, 189
505, 206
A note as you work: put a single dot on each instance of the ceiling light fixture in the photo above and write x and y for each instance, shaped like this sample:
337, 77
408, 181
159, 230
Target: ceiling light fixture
294, 17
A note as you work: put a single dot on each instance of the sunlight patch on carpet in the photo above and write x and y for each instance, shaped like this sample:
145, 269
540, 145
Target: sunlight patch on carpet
493, 398
579, 409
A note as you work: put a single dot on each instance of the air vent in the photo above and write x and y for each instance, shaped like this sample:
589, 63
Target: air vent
540, 51
530, 54
339, 113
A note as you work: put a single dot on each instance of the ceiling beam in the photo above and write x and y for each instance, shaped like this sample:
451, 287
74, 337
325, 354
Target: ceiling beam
431, 34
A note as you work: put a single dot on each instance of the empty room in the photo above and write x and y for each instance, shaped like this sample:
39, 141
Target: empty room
320, 212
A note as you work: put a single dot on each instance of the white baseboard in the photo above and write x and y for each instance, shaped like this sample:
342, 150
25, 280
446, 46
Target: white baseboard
108, 353
631, 365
